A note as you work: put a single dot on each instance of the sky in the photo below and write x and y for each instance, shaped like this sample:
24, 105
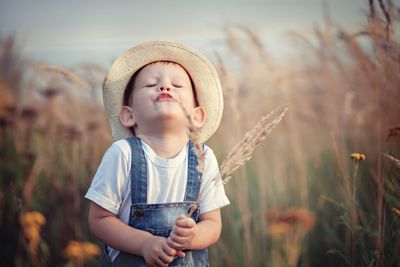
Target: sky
69, 32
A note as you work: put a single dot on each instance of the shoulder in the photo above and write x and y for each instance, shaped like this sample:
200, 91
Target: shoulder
119, 149
110, 185
211, 163
122, 146
118, 154
209, 154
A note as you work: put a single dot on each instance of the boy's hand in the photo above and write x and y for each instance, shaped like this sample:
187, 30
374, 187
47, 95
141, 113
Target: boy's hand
157, 252
182, 233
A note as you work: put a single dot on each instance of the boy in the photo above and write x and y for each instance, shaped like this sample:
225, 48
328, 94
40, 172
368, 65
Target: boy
147, 180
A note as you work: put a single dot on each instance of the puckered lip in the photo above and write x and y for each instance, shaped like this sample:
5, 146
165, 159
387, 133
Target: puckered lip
165, 97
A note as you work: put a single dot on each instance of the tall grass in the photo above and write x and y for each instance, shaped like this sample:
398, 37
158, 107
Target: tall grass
47, 156
343, 93
302, 199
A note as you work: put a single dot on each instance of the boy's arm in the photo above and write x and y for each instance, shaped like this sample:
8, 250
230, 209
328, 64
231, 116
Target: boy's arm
112, 231
186, 234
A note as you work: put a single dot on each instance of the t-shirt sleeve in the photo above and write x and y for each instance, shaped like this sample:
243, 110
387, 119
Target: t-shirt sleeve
109, 184
212, 193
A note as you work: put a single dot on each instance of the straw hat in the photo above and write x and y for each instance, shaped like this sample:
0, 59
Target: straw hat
203, 74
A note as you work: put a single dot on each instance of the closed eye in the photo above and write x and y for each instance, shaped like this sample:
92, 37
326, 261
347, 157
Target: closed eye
177, 85
150, 85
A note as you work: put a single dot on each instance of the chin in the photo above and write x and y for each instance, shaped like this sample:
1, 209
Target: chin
171, 118
171, 114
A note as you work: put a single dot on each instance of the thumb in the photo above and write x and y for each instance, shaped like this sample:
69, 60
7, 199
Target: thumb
181, 217
180, 254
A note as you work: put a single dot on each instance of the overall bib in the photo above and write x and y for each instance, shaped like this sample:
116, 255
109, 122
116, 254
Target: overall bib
158, 219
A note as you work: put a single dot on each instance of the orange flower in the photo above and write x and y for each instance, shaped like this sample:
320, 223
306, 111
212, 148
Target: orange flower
31, 223
78, 251
358, 156
299, 216
289, 228
32, 218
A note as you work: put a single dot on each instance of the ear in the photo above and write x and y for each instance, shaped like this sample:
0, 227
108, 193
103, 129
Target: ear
198, 116
126, 117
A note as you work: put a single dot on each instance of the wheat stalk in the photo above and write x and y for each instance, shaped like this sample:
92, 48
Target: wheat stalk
197, 145
392, 159
195, 136
242, 151
67, 74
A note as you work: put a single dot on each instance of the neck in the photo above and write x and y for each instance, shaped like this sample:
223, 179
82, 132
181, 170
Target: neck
165, 145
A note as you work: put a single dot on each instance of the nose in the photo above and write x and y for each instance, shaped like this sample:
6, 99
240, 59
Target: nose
164, 87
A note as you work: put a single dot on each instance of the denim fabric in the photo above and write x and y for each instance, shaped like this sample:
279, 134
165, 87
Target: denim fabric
158, 219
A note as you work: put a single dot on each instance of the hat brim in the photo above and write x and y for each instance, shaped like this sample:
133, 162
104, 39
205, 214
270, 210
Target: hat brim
202, 72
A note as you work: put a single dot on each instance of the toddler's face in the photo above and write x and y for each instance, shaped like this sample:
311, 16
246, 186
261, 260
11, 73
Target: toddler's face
159, 91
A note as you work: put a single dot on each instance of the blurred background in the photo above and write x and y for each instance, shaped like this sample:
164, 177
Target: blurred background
323, 189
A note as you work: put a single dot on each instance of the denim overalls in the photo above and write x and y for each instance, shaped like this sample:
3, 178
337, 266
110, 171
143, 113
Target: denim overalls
158, 219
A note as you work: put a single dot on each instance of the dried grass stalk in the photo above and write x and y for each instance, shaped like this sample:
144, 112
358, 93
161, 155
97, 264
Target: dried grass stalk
242, 151
197, 145
392, 159
194, 135
67, 74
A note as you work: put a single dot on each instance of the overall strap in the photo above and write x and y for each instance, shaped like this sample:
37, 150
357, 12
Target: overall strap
194, 176
138, 172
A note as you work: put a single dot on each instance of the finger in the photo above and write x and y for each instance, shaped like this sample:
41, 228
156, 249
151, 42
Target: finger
181, 217
177, 238
157, 262
181, 231
169, 250
185, 222
175, 245
180, 240
165, 259
180, 254
172, 244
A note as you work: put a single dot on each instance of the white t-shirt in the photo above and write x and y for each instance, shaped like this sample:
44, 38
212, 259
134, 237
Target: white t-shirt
166, 181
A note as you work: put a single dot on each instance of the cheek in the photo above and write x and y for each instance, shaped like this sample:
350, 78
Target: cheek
188, 97
140, 97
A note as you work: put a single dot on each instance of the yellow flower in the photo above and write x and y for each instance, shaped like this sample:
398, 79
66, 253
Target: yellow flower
32, 218
31, 223
73, 250
358, 156
91, 249
81, 251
